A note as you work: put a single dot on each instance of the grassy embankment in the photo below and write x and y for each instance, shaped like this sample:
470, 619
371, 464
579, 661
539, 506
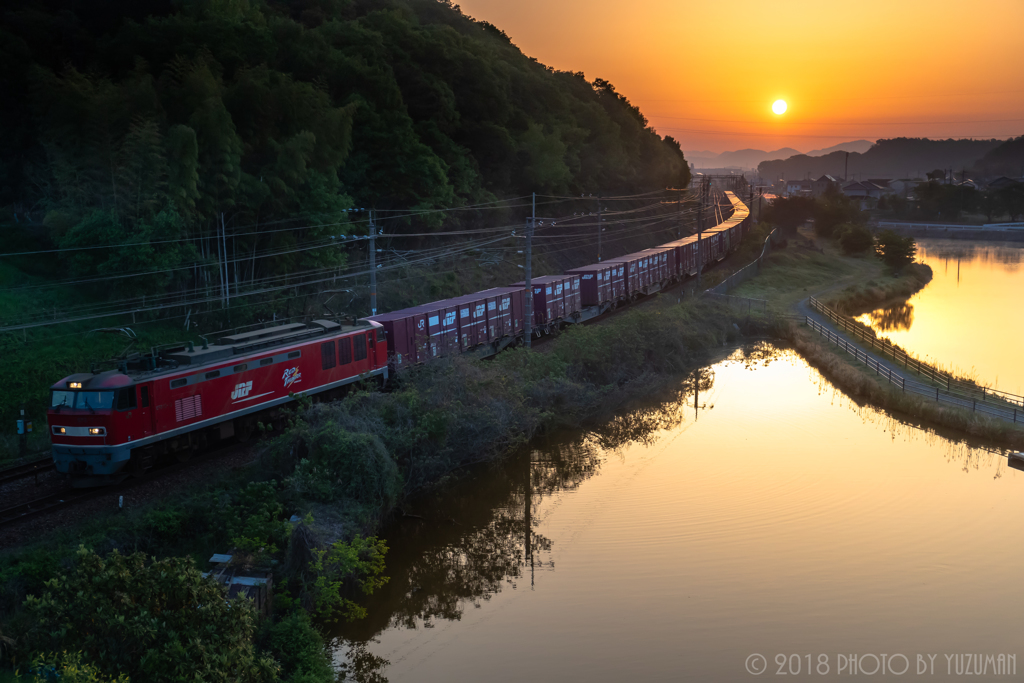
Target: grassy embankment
855, 284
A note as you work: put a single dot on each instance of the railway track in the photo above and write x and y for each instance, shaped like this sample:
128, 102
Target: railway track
43, 505
69, 496
25, 470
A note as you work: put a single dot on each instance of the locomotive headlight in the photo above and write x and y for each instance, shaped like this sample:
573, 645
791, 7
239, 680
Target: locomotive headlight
59, 430
96, 431
74, 385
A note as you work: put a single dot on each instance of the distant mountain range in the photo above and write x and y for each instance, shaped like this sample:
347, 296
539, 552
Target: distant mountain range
750, 158
896, 158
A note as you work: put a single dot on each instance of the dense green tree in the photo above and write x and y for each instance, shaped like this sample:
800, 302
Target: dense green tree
833, 209
789, 213
1012, 200
151, 620
854, 239
295, 111
895, 250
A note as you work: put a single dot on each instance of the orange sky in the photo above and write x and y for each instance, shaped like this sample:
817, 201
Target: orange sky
707, 73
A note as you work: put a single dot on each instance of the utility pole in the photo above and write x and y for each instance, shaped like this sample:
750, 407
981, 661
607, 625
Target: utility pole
846, 169
679, 213
528, 292
225, 285
600, 196
700, 228
373, 266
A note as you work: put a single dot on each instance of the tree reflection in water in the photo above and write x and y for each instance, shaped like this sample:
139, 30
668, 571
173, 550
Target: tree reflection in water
478, 534
893, 318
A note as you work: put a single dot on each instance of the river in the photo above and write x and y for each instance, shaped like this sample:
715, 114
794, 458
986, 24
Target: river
968, 318
760, 512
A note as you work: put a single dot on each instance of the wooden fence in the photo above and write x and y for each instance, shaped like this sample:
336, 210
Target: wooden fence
887, 349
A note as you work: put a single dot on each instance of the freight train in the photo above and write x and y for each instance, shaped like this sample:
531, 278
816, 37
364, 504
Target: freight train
489, 321
177, 399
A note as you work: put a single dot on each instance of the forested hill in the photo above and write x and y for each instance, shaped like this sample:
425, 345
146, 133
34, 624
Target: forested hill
151, 118
892, 158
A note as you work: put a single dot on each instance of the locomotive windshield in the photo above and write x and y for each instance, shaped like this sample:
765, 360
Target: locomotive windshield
82, 400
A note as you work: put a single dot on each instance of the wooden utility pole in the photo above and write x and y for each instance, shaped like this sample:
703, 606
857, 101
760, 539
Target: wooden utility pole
528, 267
599, 228
700, 228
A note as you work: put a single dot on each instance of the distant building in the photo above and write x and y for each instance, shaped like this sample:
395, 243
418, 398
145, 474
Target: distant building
822, 184
865, 189
1001, 182
796, 188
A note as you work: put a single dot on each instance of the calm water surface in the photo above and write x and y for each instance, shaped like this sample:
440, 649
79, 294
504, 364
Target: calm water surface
766, 515
969, 318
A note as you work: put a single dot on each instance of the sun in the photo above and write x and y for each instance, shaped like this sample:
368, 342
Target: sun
779, 106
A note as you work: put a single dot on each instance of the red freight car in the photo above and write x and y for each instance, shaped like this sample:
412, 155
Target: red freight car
179, 398
595, 283
555, 298
414, 335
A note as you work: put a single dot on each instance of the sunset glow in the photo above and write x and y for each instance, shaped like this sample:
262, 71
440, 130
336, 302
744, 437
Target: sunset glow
779, 106
703, 74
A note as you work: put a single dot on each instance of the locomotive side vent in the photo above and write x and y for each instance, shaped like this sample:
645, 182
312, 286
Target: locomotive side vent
188, 408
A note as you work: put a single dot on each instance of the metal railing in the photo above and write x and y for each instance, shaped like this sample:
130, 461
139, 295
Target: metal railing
746, 272
750, 306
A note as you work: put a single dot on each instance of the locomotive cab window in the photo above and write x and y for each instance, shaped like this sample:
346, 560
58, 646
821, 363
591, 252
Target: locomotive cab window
380, 333
360, 343
126, 398
62, 399
345, 350
327, 357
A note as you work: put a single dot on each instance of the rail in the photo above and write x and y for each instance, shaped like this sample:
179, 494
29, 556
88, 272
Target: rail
28, 469
900, 357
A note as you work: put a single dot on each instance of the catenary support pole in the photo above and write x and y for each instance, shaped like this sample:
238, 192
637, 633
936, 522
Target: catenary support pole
528, 267
600, 229
373, 266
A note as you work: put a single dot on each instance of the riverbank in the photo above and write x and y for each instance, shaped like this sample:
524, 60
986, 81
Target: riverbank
852, 285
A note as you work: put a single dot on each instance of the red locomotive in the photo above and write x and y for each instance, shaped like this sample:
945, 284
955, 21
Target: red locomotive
177, 399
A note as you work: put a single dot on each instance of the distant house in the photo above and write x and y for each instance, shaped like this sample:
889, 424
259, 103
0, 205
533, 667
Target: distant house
904, 186
1001, 182
799, 187
822, 184
864, 189
882, 184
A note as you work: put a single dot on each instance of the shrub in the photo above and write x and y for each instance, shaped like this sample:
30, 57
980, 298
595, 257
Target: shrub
337, 571
343, 464
299, 649
68, 667
854, 239
154, 622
